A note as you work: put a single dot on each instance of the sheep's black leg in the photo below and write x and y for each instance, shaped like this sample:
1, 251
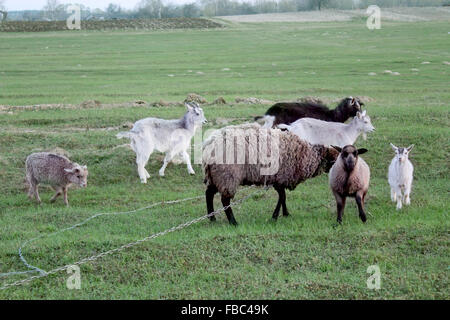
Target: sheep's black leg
360, 203
209, 194
283, 203
279, 203
340, 203
226, 202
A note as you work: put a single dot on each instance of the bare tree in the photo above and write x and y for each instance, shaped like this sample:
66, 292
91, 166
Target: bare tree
3, 11
52, 9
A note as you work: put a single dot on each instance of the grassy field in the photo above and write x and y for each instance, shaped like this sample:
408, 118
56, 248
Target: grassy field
302, 256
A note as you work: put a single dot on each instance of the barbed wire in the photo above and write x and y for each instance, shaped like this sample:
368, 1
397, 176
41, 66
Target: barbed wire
131, 244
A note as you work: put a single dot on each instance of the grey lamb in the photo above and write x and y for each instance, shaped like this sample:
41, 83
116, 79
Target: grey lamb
57, 171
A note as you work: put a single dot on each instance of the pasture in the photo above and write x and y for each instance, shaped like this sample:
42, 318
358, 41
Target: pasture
304, 256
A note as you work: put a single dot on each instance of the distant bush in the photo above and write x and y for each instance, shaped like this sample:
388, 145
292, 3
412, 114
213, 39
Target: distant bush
135, 24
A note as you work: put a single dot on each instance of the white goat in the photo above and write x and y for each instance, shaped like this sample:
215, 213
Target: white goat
331, 133
400, 176
173, 137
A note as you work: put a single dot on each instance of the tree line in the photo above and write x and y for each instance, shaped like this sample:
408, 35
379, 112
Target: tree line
54, 10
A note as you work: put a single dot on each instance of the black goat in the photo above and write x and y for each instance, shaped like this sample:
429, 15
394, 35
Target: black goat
288, 112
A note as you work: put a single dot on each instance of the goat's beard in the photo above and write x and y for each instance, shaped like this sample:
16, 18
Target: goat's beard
364, 136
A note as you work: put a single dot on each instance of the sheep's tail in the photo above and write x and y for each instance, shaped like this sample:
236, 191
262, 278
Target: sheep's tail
127, 134
285, 127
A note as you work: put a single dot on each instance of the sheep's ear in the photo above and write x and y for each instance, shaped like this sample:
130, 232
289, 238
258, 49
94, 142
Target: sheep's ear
69, 170
84, 167
362, 151
393, 147
339, 149
409, 148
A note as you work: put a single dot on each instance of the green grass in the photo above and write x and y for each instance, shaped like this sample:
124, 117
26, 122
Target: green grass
302, 256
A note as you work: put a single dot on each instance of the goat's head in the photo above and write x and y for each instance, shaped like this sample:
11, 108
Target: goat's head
195, 113
350, 106
401, 153
77, 175
363, 123
349, 156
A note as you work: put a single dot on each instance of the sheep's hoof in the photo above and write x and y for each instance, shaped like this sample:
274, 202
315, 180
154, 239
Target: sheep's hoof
161, 174
212, 218
191, 172
363, 218
234, 223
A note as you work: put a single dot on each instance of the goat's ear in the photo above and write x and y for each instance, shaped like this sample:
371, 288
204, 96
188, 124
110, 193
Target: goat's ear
393, 147
364, 113
339, 149
409, 148
188, 106
69, 170
358, 114
362, 151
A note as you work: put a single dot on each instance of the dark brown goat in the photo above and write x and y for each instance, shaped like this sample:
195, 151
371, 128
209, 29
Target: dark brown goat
288, 112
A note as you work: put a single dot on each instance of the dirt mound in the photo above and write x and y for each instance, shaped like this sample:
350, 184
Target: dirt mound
90, 104
252, 100
140, 102
163, 103
120, 24
193, 97
310, 99
219, 100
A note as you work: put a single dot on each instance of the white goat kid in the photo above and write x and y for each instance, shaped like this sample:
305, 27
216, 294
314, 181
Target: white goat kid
173, 137
400, 176
331, 133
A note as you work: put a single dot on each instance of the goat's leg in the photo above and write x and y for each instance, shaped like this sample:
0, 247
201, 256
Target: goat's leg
187, 159
340, 204
57, 194
406, 198
209, 194
393, 195
143, 151
360, 203
167, 159
226, 202
399, 196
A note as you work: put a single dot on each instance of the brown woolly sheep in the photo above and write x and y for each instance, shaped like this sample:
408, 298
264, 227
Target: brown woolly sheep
350, 177
57, 171
266, 157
